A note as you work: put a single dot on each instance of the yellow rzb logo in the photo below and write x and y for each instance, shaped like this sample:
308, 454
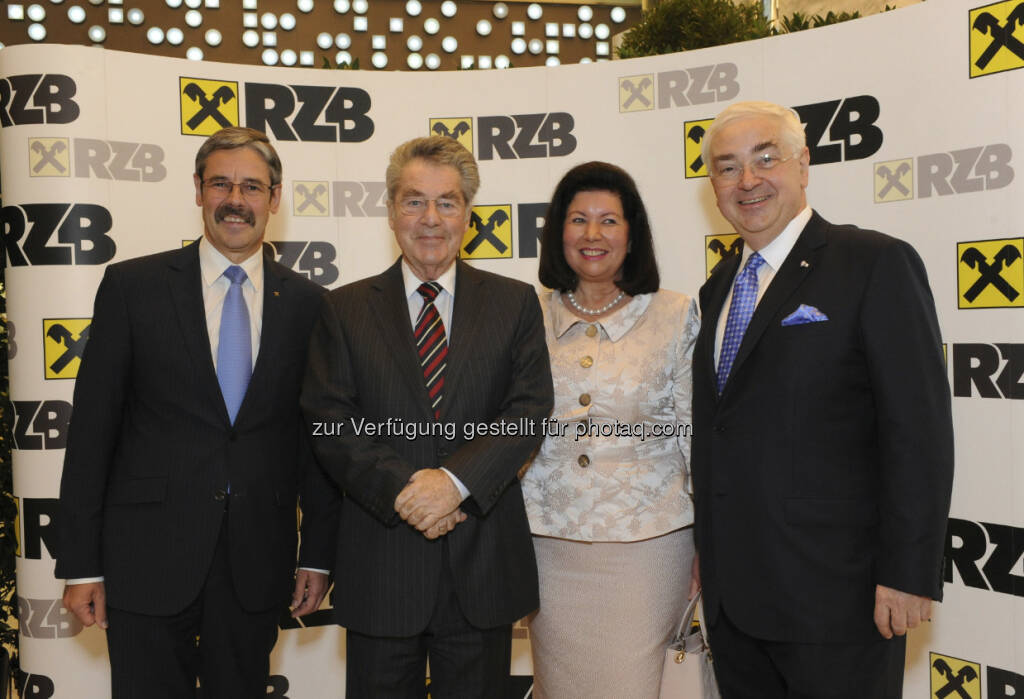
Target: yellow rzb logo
207, 106
489, 235
720, 247
894, 180
636, 93
310, 199
63, 344
49, 157
997, 37
459, 128
694, 136
990, 273
953, 678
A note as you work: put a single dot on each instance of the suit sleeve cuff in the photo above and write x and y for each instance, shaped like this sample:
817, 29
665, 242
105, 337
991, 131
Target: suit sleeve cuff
83, 581
315, 570
463, 490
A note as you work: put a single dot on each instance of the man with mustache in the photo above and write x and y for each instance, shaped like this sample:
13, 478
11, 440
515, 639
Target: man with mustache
186, 454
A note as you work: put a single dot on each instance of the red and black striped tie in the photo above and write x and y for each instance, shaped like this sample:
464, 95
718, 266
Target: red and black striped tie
432, 345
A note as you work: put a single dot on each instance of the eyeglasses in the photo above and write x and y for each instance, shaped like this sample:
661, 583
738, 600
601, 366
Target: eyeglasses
251, 190
417, 206
732, 171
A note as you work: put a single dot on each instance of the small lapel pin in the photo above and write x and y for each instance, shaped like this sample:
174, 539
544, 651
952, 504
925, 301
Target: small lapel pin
803, 263
278, 293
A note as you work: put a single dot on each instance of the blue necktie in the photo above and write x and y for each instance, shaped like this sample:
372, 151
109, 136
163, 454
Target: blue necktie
744, 298
234, 350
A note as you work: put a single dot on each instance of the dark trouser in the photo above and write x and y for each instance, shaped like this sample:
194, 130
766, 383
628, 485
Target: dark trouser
160, 657
752, 668
465, 662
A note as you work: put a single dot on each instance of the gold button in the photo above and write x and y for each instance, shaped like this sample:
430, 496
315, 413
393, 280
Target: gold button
585, 399
587, 362
583, 461
591, 330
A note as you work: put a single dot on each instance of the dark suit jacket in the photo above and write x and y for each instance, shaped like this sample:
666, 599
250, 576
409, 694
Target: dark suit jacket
826, 465
363, 365
151, 449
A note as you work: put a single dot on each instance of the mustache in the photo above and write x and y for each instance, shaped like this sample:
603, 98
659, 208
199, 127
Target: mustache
227, 209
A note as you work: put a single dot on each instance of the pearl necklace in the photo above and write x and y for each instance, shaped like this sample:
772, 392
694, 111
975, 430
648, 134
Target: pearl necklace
594, 311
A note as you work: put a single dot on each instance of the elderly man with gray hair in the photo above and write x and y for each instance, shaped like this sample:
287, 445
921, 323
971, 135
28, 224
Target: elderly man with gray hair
822, 448
433, 543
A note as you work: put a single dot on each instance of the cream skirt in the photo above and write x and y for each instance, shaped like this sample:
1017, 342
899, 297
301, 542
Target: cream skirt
607, 611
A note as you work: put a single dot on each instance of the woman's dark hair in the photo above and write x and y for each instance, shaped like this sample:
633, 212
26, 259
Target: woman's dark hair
639, 269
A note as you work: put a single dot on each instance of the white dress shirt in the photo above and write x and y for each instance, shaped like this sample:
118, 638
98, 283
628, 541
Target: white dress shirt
443, 303
774, 254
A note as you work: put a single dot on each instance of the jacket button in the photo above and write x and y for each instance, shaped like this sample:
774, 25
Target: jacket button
442, 453
591, 330
219, 494
583, 461
585, 399
587, 362
233, 437
719, 428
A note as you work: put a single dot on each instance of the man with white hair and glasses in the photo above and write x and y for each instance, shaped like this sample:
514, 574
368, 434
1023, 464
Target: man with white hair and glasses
822, 448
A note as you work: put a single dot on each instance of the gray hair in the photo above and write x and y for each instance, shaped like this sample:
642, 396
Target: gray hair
791, 131
439, 150
240, 137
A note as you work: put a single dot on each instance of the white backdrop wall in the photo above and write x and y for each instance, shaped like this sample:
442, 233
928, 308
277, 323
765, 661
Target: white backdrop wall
914, 123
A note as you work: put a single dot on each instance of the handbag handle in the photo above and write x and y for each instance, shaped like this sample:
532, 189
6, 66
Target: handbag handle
688, 617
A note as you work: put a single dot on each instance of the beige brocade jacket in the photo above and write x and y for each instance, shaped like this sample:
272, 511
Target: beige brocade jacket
614, 465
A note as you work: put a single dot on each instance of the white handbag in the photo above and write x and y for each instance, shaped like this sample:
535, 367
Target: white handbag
687, 672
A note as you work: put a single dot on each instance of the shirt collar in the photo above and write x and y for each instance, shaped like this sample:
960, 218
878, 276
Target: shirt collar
212, 264
615, 325
412, 282
776, 252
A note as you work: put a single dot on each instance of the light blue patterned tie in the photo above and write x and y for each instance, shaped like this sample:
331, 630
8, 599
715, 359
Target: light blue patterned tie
234, 350
744, 298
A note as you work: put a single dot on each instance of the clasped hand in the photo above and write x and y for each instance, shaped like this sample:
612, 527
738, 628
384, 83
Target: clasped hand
430, 502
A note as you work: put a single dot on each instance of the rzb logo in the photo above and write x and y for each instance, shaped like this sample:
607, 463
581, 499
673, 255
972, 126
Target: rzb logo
310, 199
489, 235
720, 247
51, 94
692, 141
954, 678
894, 180
636, 93
207, 106
49, 157
995, 46
459, 128
513, 137
678, 88
850, 125
81, 234
63, 344
990, 273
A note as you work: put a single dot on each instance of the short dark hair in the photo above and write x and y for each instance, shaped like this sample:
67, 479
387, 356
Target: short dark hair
232, 137
639, 269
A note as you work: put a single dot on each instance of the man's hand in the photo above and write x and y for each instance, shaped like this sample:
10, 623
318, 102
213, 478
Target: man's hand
88, 602
896, 611
429, 496
445, 524
310, 588
694, 577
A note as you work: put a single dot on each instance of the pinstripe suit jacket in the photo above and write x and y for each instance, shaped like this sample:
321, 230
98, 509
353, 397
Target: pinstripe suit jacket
151, 449
363, 366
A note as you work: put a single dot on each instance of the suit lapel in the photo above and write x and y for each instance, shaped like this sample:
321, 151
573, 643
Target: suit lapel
272, 332
466, 317
799, 263
391, 309
715, 292
186, 287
